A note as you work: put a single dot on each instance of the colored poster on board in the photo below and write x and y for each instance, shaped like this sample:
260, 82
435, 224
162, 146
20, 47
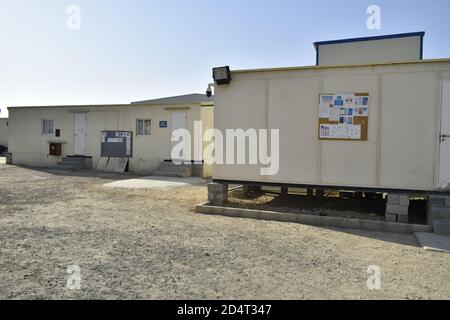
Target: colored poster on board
343, 116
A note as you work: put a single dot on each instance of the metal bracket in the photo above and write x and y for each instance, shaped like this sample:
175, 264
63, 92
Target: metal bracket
444, 136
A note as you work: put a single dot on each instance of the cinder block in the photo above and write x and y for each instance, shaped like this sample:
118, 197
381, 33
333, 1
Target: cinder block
217, 193
436, 201
397, 209
390, 217
439, 201
403, 200
402, 219
442, 227
393, 198
438, 213
217, 198
217, 187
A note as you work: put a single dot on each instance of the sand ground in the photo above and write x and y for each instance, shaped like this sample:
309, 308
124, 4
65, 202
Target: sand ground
149, 244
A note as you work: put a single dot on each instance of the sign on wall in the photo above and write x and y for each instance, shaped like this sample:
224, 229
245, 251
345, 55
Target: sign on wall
163, 124
344, 116
117, 144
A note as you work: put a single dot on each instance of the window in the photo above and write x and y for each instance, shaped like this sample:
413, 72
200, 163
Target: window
47, 126
143, 127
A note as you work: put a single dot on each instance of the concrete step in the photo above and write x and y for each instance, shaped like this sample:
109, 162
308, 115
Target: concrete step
442, 227
170, 174
69, 163
171, 165
176, 169
169, 169
64, 168
71, 160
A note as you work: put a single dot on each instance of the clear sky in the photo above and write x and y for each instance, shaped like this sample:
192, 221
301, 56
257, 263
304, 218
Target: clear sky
140, 49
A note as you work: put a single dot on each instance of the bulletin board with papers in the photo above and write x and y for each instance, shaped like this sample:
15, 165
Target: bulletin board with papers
344, 116
117, 144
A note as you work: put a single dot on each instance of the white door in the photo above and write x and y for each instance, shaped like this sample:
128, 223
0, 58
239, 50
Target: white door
79, 144
444, 167
179, 122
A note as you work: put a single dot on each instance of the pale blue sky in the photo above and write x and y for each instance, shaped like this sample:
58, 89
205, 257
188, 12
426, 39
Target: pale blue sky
140, 49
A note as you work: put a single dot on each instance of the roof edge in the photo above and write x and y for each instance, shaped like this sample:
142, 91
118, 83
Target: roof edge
373, 38
315, 67
167, 100
108, 105
72, 106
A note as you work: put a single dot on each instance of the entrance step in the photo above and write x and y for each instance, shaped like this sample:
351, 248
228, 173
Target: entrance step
170, 174
169, 169
74, 163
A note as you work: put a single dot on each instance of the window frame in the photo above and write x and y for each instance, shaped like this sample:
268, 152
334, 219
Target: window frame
43, 127
143, 134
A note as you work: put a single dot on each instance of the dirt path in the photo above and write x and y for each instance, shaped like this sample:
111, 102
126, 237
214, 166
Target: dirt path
151, 245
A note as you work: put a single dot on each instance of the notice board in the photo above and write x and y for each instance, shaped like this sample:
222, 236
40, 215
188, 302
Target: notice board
118, 144
344, 116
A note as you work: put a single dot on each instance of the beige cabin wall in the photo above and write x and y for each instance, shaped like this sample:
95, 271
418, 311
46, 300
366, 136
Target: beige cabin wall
402, 147
30, 147
361, 52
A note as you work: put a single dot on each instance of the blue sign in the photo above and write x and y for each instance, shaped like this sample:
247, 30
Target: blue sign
163, 124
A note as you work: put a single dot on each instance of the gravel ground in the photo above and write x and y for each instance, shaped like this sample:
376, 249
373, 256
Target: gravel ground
149, 244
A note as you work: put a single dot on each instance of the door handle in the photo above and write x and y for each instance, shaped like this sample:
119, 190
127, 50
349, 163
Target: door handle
444, 136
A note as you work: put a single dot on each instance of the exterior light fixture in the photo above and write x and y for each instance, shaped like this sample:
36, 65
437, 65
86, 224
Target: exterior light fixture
222, 75
209, 91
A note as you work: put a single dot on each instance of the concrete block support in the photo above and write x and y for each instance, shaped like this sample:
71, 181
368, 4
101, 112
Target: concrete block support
390, 217
439, 201
217, 193
9, 159
438, 208
398, 206
402, 218
442, 227
397, 209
